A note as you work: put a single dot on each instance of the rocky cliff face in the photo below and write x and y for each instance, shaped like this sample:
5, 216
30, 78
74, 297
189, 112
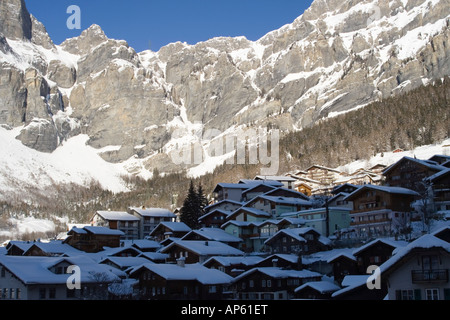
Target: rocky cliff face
335, 57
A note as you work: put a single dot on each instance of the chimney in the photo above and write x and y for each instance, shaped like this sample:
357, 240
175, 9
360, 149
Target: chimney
181, 262
275, 263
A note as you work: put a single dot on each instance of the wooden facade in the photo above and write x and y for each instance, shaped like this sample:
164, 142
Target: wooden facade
409, 173
380, 211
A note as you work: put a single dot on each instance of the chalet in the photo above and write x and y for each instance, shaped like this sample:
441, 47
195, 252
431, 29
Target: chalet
271, 283
257, 190
225, 205
155, 257
345, 188
304, 188
143, 245
55, 248
410, 172
297, 240
229, 191
198, 251
281, 260
375, 252
327, 221
324, 175
150, 218
118, 220
180, 281
232, 266
361, 177
338, 201
214, 218
166, 230
380, 210
419, 271
249, 214
343, 264
355, 288
283, 192
46, 278
127, 251
316, 290
93, 239
277, 205
213, 234
440, 183
247, 231
17, 248
288, 182
123, 263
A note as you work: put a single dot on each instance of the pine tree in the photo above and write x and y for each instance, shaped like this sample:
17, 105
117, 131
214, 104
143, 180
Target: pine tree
203, 201
191, 209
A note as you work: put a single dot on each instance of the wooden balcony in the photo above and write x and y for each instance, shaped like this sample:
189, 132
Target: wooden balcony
428, 276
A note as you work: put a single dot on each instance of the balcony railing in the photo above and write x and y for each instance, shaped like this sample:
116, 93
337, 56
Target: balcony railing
438, 275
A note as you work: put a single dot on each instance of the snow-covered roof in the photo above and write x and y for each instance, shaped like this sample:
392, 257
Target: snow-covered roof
255, 183
214, 234
230, 261
189, 272
433, 165
320, 286
394, 244
393, 190
55, 247
36, 270
173, 226
103, 230
153, 212
351, 282
125, 262
342, 254
292, 258
427, 241
154, 255
286, 200
142, 244
253, 211
278, 273
224, 212
301, 195
117, 215
209, 248
207, 208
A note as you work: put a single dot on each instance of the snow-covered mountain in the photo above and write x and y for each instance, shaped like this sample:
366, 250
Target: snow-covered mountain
131, 111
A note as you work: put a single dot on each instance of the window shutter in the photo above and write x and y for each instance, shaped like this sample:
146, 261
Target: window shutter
417, 294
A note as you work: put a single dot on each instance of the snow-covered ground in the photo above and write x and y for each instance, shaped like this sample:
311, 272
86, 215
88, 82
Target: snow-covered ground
388, 158
73, 162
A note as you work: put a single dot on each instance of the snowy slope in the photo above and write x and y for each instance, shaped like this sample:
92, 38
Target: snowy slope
73, 162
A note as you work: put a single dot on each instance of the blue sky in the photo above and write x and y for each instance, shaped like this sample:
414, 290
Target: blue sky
149, 24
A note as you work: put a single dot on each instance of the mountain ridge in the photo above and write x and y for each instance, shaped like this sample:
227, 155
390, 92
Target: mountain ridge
333, 58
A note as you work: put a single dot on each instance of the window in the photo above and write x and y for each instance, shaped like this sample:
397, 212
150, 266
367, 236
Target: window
269, 283
212, 289
18, 295
3, 273
251, 283
263, 283
52, 293
404, 294
42, 293
432, 294
12, 293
